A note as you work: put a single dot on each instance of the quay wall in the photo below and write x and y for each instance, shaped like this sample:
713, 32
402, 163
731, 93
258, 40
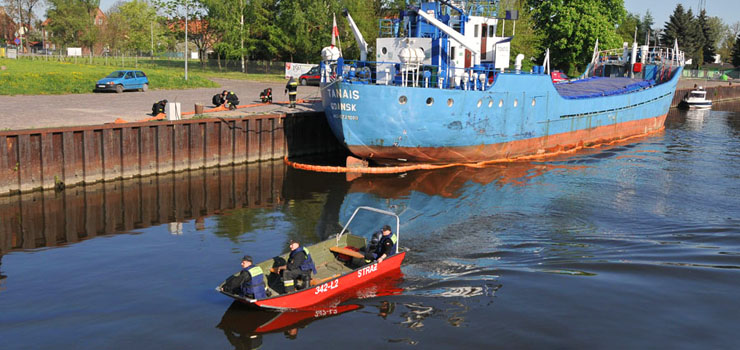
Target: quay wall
714, 93
62, 157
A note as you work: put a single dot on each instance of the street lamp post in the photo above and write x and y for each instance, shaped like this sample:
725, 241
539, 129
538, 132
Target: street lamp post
186, 40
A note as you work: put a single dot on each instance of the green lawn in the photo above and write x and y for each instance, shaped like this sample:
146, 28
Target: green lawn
39, 77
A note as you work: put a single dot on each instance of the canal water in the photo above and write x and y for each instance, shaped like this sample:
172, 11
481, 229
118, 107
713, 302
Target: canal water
632, 245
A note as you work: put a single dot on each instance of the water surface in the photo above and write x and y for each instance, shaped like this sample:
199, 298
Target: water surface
632, 245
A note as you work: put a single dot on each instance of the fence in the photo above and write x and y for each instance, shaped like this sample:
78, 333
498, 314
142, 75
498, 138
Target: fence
209, 65
711, 74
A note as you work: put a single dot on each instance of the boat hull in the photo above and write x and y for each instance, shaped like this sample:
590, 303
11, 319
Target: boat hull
349, 285
519, 116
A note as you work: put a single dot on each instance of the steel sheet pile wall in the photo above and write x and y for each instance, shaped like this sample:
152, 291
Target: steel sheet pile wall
714, 93
48, 218
45, 158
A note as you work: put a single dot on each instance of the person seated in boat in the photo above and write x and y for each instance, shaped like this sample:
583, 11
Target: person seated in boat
248, 282
299, 266
386, 246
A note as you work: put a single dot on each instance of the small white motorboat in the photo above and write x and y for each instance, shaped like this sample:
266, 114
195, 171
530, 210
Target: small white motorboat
696, 99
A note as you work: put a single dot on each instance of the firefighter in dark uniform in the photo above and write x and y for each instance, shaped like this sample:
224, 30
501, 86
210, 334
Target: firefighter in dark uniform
299, 266
292, 89
230, 100
249, 282
386, 246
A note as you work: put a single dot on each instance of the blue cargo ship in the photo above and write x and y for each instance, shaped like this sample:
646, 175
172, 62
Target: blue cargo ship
441, 90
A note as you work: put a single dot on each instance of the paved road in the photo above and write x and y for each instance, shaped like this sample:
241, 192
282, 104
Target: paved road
44, 111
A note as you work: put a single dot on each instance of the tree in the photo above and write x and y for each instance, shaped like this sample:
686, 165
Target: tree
736, 52
626, 29
25, 16
526, 39
68, 19
709, 45
646, 26
570, 29
139, 20
681, 26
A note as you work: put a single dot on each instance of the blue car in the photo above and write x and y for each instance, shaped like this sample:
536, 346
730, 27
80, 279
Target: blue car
123, 80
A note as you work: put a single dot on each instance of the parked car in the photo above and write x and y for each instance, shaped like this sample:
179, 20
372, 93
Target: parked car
121, 80
312, 77
558, 76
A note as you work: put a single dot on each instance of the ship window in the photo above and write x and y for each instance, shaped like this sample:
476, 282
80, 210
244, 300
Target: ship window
475, 30
516, 102
491, 30
480, 102
402, 100
501, 103
430, 101
490, 103
533, 102
384, 50
450, 102
452, 52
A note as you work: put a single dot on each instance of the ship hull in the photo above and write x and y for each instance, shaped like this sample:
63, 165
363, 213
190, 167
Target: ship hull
519, 116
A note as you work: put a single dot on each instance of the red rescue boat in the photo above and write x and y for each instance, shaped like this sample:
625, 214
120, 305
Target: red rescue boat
342, 272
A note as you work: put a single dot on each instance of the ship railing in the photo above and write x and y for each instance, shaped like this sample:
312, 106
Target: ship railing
421, 76
654, 63
650, 55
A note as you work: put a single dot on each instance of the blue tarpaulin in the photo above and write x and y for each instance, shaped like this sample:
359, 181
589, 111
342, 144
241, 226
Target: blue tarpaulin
600, 86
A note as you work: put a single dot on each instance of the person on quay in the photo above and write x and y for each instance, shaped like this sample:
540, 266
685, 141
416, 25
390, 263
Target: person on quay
299, 266
230, 100
386, 246
249, 282
292, 89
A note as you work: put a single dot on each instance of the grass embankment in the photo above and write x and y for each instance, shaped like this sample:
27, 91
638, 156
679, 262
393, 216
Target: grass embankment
28, 77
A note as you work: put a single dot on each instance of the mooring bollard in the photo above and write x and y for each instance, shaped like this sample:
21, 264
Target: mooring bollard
198, 108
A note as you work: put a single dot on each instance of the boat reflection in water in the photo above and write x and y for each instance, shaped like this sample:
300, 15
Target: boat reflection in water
244, 326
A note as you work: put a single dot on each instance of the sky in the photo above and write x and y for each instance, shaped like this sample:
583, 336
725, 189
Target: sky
727, 10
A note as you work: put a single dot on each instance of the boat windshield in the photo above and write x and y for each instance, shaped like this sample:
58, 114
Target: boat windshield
698, 94
367, 220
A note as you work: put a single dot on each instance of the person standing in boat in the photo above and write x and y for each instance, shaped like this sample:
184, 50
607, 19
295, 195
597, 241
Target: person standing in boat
300, 265
249, 282
385, 247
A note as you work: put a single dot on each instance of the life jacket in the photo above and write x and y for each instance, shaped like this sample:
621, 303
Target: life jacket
306, 265
383, 239
257, 285
292, 87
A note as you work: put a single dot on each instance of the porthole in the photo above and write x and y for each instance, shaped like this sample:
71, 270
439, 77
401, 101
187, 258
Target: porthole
490, 103
384, 50
516, 102
534, 102
450, 102
500, 103
480, 102
430, 101
402, 100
